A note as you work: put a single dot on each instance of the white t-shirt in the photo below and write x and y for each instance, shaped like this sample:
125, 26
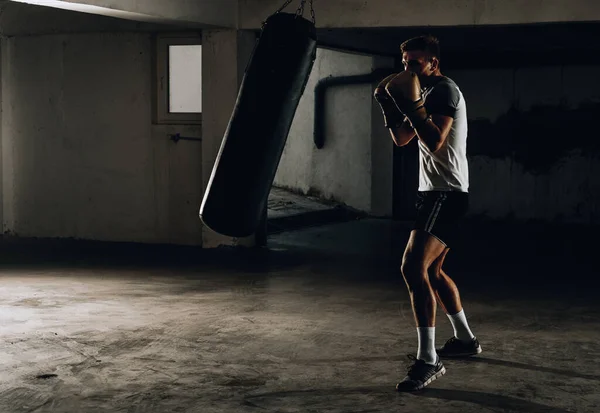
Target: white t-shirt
447, 169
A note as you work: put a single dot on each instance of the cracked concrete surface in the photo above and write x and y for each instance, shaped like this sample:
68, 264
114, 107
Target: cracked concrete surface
319, 322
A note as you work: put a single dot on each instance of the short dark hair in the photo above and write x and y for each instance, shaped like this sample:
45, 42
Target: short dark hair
426, 43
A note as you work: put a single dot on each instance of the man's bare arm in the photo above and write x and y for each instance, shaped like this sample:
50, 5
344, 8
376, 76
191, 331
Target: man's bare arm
403, 134
432, 128
433, 132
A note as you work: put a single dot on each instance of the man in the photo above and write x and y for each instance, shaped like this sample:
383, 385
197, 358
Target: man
420, 102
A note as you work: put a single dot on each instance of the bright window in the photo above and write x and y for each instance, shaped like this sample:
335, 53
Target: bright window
185, 79
179, 79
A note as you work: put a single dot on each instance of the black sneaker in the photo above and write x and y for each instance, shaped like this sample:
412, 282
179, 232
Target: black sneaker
457, 348
420, 374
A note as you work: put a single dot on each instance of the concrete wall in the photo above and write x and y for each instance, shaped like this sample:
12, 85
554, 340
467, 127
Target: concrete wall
92, 159
342, 170
387, 13
533, 150
80, 156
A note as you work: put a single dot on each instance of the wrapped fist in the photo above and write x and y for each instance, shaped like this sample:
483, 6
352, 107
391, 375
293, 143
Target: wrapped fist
405, 90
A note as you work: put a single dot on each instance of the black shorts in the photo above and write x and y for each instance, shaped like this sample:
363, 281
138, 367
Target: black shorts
440, 213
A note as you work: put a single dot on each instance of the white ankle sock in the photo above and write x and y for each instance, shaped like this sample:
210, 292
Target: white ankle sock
426, 351
461, 327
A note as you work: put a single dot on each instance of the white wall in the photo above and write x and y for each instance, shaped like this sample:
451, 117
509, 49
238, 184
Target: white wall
392, 13
502, 187
342, 170
80, 157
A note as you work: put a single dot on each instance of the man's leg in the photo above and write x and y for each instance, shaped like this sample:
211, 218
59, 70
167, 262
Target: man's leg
464, 343
421, 251
444, 288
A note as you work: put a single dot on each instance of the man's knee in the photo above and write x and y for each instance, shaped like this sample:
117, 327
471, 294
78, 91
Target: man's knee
414, 272
435, 269
434, 274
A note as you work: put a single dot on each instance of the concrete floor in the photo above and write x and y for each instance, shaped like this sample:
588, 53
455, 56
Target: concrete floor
318, 322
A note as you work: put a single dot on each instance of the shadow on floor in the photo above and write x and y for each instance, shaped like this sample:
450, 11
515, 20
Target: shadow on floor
483, 399
550, 370
471, 360
493, 401
529, 257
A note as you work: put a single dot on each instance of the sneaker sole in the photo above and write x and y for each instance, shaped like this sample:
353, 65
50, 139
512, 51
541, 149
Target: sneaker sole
432, 378
471, 353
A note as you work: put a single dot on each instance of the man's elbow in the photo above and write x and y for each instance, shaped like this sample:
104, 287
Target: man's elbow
396, 138
401, 139
402, 142
435, 146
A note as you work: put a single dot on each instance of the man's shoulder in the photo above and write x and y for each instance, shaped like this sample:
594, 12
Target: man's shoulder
445, 90
446, 83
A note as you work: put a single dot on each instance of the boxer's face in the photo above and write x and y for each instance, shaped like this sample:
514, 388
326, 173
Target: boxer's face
419, 62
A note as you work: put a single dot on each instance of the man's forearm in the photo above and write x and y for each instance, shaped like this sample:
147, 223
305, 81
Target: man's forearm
429, 134
403, 134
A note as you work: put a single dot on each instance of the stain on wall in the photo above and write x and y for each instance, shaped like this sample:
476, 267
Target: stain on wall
539, 137
533, 149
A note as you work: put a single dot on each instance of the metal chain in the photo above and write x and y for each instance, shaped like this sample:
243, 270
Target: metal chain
287, 3
300, 10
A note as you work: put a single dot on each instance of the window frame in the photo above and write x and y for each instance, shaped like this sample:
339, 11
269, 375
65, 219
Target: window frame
162, 42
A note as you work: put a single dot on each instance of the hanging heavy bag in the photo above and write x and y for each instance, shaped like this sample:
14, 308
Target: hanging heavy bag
275, 78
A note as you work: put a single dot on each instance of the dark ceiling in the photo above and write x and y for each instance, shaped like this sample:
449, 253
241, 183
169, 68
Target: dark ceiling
476, 46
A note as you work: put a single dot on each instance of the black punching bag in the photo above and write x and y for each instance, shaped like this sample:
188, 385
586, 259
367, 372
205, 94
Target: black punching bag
275, 78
